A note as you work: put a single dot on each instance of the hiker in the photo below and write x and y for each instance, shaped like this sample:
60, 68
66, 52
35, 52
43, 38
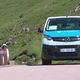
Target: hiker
5, 53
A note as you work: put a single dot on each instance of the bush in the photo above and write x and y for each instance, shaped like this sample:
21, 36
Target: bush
26, 58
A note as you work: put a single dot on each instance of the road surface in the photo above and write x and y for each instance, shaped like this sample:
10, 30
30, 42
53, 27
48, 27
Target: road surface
51, 72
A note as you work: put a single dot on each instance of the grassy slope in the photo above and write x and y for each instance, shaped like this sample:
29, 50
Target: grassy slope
16, 14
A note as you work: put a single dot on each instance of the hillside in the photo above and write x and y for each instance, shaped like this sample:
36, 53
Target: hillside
20, 19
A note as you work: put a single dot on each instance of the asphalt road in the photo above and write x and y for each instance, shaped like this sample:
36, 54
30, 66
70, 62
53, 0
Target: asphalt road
51, 72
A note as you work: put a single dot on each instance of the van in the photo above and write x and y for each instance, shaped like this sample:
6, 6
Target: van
60, 39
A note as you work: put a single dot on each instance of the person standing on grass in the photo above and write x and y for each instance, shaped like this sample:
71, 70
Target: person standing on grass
5, 52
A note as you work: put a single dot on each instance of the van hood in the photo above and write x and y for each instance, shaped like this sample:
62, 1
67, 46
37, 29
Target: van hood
62, 33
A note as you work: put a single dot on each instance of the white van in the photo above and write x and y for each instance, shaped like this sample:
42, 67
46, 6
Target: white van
61, 39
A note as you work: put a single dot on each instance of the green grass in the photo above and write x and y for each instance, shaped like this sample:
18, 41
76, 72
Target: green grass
16, 14
63, 62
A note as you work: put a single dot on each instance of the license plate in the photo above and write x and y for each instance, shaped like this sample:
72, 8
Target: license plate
67, 50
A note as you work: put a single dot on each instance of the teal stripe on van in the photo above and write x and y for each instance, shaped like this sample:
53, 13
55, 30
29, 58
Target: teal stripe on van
62, 33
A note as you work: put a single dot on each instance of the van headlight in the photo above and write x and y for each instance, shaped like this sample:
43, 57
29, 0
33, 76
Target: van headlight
47, 37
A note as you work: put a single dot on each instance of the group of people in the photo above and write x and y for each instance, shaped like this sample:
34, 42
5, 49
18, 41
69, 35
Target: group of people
4, 55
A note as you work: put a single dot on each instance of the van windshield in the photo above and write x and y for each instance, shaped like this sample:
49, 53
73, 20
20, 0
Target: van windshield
63, 24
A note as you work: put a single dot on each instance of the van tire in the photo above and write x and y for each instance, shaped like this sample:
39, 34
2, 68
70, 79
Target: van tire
46, 62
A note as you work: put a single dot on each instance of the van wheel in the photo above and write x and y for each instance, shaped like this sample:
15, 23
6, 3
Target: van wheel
46, 62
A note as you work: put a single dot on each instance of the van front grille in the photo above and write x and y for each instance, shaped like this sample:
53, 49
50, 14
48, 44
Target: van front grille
66, 39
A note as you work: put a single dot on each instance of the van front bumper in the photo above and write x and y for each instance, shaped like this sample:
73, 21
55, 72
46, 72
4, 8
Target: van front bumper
54, 52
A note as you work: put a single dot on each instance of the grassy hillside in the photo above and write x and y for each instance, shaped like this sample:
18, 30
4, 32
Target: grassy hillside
19, 20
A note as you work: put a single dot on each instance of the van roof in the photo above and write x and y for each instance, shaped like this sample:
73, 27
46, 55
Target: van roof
64, 17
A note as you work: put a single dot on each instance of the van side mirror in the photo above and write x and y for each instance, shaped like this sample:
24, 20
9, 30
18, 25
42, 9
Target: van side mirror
40, 30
